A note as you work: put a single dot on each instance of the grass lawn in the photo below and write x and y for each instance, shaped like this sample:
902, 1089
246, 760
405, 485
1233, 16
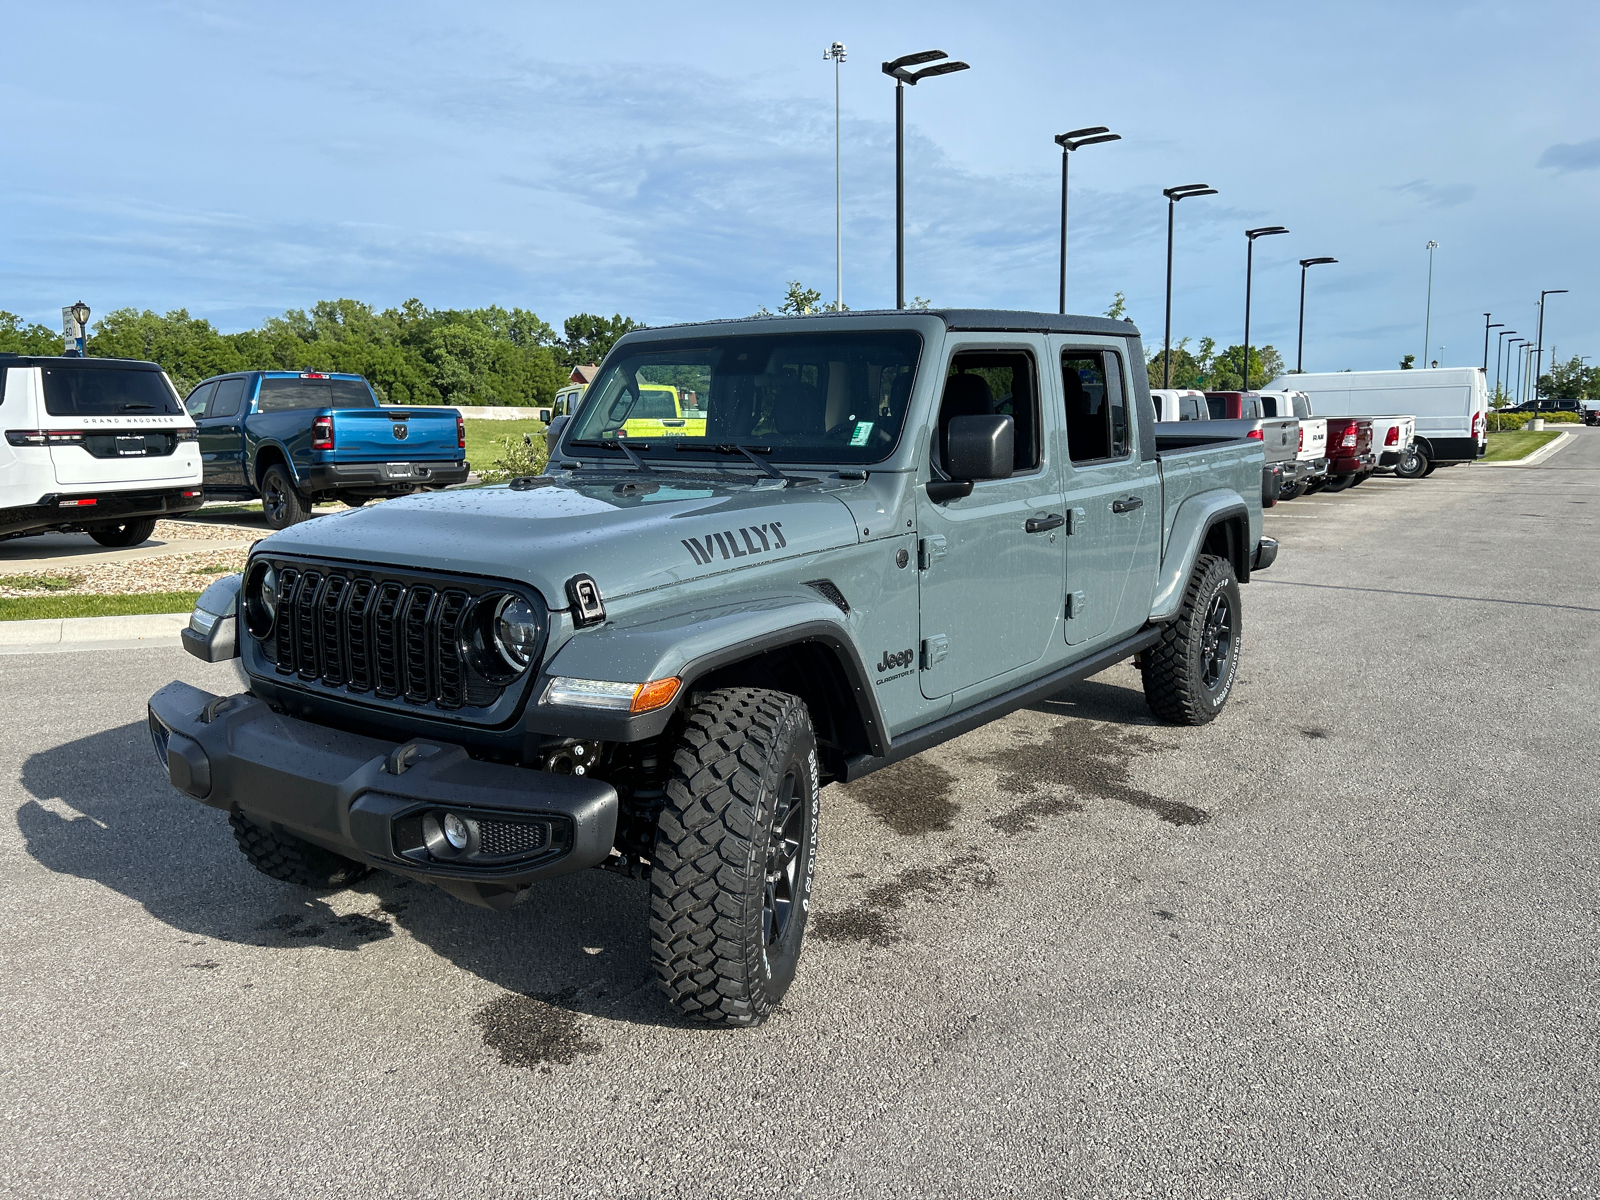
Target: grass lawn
42, 608
481, 436
1519, 443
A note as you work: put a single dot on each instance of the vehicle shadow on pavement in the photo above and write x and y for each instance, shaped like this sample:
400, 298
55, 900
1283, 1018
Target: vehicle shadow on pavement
1096, 701
101, 810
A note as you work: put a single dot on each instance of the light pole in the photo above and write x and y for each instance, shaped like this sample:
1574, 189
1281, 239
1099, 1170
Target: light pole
1427, 322
900, 71
1173, 195
835, 52
1300, 344
1069, 142
1538, 355
1486, 328
1499, 347
80, 315
1523, 353
1249, 268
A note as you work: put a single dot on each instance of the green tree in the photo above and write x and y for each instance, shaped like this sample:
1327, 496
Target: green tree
17, 338
1190, 369
799, 300
589, 338
1408, 362
1227, 375
1570, 380
1119, 307
188, 348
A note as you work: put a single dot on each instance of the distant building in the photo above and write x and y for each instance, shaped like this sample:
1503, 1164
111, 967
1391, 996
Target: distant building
583, 375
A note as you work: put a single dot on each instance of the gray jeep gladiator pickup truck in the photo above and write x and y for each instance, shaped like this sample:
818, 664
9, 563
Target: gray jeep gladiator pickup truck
892, 529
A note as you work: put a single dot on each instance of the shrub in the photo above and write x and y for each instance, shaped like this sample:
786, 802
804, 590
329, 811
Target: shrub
525, 457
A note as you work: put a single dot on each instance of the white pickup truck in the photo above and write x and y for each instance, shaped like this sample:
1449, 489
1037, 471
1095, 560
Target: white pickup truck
1313, 435
101, 446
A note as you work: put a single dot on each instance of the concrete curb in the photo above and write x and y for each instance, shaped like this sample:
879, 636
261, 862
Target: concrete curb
1538, 456
91, 633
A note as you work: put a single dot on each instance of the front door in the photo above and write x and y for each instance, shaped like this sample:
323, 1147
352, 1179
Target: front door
1113, 491
991, 563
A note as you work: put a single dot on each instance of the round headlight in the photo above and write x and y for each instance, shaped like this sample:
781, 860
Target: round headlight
261, 599
516, 632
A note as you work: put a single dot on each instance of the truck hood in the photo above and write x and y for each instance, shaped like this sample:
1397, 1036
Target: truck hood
631, 534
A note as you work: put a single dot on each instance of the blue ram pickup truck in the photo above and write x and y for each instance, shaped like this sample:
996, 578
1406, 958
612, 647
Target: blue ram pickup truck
295, 437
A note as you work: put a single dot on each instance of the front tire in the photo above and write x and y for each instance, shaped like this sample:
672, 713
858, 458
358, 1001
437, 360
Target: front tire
290, 859
281, 502
1189, 673
730, 881
129, 533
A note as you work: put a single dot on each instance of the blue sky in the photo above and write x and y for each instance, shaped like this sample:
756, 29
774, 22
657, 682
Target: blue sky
674, 162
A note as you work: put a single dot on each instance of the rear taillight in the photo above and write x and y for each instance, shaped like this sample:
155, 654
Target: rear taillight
1394, 436
312, 375
1257, 434
1477, 424
1348, 441
461, 432
188, 435
44, 437
1302, 437
322, 433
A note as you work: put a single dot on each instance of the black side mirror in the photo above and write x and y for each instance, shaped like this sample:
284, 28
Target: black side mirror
981, 447
552, 434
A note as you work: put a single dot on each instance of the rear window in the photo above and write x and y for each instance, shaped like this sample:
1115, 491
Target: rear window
85, 391
1218, 407
282, 395
655, 404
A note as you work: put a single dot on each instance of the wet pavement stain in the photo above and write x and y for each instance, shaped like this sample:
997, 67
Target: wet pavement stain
1090, 759
910, 797
1315, 733
533, 1031
869, 920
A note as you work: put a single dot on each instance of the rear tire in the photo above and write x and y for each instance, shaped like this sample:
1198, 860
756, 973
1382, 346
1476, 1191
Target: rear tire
1189, 673
1430, 468
353, 501
293, 860
1338, 483
281, 502
731, 875
1313, 486
1294, 492
1413, 464
129, 533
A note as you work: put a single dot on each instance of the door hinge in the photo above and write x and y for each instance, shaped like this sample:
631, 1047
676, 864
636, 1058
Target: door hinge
1075, 519
1075, 605
934, 650
930, 550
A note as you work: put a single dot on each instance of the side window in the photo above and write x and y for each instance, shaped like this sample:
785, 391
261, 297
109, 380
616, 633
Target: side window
1301, 408
229, 393
1189, 409
983, 382
1252, 408
198, 399
1218, 407
1269, 406
1097, 412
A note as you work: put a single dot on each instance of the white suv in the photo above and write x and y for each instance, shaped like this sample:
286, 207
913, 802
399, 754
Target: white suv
101, 446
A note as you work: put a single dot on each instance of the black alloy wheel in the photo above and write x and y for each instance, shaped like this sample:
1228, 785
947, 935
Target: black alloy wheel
281, 503
783, 861
1216, 641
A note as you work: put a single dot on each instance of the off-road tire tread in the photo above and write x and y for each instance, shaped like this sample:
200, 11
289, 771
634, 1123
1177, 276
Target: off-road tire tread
291, 859
705, 945
1171, 688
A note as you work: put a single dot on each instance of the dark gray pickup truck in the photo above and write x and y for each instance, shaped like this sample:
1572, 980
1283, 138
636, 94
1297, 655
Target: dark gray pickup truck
893, 528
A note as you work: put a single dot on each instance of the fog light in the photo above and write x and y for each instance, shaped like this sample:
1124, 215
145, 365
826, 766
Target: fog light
455, 831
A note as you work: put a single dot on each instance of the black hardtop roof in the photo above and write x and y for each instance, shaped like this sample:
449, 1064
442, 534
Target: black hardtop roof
72, 360
981, 320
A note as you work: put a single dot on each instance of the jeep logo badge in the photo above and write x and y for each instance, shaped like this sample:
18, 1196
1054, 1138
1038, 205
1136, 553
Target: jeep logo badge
893, 662
400, 432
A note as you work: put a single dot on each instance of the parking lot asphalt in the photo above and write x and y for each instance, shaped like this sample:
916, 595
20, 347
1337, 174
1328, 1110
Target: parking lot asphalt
1342, 942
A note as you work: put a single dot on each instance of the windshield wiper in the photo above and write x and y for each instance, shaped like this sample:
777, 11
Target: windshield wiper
749, 452
619, 444
137, 408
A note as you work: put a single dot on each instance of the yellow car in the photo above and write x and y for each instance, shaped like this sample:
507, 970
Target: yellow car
660, 413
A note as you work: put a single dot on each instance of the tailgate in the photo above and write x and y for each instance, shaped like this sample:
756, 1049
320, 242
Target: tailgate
123, 450
394, 434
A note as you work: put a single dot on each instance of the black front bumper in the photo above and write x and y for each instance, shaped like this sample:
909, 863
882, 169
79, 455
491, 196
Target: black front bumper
375, 476
366, 799
57, 510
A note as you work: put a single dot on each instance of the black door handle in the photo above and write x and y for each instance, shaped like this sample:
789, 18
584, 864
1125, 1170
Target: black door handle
1128, 505
1040, 524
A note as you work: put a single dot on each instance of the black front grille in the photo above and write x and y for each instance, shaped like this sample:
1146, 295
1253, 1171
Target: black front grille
408, 641
505, 839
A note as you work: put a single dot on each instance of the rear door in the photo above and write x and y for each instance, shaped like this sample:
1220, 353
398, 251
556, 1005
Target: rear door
394, 435
222, 433
991, 562
117, 424
1112, 491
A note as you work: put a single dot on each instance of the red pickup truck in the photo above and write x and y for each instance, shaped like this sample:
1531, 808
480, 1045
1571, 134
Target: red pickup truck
1350, 455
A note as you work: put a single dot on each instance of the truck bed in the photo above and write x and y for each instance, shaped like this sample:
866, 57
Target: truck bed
1203, 456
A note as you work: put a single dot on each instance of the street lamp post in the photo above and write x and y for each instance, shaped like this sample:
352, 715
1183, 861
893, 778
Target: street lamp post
835, 53
902, 74
1249, 267
1300, 343
1538, 357
1499, 348
1486, 328
1523, 353
1069, 142
1427, 322
1173, 195
80, 316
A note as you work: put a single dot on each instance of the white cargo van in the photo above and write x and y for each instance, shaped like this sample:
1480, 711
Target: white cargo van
1450, 405
101, 446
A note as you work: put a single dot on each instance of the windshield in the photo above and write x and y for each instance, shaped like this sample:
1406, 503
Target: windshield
279, 394
85, 391
808, 397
